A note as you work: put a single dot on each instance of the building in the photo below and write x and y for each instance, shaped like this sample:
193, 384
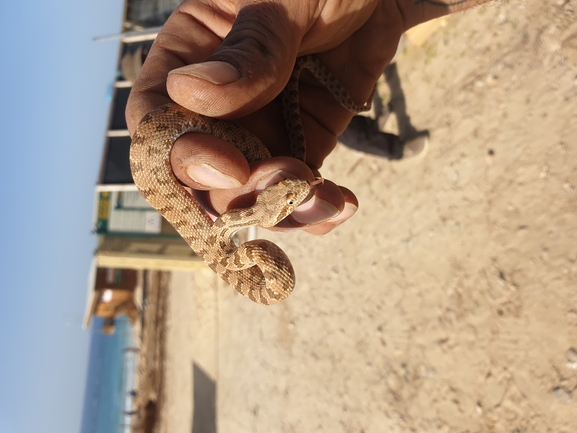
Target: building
131, 235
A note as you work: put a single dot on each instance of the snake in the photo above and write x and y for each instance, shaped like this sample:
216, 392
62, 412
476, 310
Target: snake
257, 269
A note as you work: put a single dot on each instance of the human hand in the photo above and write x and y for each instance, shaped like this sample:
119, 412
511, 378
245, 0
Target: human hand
230, 59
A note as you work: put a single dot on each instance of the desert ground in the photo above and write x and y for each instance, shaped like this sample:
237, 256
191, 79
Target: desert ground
448, 303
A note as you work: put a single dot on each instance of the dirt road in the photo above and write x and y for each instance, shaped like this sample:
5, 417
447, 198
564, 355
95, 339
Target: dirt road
449, 302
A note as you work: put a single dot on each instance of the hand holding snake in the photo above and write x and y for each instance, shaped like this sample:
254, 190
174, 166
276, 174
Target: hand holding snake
231, 59
257, 269
250, 100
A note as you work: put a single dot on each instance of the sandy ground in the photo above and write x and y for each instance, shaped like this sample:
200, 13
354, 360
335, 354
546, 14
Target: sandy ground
449, 302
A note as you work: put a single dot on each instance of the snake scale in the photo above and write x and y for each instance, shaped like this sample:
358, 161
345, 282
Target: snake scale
258, 269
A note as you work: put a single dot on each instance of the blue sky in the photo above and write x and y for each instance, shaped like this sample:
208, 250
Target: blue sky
53, 111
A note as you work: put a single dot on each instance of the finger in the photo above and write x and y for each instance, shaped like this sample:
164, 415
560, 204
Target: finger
205, 162
249, 68
263, 174
350, 207
183, 40
327, 203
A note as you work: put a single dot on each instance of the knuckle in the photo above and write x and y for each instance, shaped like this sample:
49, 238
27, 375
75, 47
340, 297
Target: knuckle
258, 29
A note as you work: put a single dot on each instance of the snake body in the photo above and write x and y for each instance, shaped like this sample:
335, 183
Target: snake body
258, 269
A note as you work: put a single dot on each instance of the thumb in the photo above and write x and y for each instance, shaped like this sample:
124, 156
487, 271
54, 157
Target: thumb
247, 71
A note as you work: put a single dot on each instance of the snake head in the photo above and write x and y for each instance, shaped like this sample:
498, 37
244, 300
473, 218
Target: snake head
279, 200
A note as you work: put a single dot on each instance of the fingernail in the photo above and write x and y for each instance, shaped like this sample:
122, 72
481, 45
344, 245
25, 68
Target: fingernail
348, 211
214, 72
273, 178
209, 176
313, 211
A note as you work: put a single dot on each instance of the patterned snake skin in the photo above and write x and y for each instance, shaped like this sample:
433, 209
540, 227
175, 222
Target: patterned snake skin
258, 269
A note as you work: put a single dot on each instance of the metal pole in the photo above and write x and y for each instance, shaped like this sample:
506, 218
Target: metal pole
132, 36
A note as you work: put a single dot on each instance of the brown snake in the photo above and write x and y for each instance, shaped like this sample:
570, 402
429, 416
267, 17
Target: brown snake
258, 269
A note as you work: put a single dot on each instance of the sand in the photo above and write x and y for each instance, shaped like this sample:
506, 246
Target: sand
449, 302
